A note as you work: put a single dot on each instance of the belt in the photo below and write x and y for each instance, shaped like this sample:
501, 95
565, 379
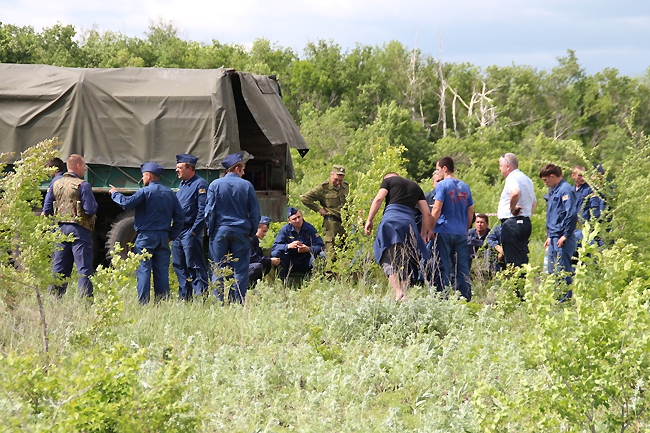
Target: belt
333, 218
514, 218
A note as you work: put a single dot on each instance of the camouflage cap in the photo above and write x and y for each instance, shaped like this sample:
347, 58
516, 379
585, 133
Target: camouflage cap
338, 169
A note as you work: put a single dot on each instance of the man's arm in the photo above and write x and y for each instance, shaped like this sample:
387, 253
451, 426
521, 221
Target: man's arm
374, 208
280, 243
310, 198
201, 200
178, 219
88, 201
423, 207
253, 211
470, 216
209, 206
515, 195
128, 202
435, 212
317, 244
48, 203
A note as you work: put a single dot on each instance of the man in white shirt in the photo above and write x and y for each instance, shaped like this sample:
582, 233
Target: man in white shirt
516, 205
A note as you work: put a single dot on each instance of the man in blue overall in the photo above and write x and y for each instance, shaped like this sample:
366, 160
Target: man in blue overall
260, 265
187, 250
232, 214
589, 203
158, 220
71, 198
453, 200
561, 219
297, 244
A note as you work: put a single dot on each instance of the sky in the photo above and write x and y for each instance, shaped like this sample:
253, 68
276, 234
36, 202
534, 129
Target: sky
603, 33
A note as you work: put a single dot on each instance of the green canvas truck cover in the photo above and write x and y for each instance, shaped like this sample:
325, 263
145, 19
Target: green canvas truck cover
123, 117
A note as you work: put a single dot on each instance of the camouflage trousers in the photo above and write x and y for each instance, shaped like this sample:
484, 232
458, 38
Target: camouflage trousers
331, 229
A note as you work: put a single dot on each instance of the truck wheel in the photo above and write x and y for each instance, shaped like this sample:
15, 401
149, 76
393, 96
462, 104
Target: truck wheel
121, 231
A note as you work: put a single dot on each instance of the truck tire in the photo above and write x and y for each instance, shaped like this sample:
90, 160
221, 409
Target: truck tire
121, 231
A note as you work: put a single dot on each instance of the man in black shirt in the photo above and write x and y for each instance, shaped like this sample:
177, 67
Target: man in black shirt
398, 242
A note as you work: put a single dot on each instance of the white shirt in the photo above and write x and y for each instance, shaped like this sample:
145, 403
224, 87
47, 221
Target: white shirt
517, 179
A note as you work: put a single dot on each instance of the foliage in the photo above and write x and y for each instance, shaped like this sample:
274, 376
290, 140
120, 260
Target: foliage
338, 347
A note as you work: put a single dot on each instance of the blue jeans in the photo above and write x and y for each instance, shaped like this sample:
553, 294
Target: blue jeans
559, 258
156, 242
189, 263
228, 240
454, 261
80, 251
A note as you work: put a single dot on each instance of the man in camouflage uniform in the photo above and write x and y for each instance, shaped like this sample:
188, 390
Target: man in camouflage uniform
328, 199
71, 198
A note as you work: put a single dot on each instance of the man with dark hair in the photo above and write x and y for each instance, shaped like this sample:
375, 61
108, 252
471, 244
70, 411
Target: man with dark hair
561, 219
71, 198
158, 220
60, 168
398, 242
476, 237
297, 244
454, 202
328, 199
187, 250
260, 265
232, 215
516, 205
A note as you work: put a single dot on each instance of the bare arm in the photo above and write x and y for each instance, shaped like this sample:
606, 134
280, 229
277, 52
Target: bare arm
374, 208
515, 194
435, 212
470, 216
426, 218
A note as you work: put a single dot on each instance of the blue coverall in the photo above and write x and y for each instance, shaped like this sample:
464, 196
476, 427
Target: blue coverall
232, 214
187, 250
561, 220
158, 219
291, 259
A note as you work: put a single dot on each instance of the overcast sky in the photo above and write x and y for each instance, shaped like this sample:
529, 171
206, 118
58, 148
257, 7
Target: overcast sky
604, 33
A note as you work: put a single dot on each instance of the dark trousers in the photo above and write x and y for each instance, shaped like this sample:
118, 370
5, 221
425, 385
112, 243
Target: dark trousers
189, 264
559, 258
227, 240
79, 251
298, 262
515, 233
156, 242
454, 269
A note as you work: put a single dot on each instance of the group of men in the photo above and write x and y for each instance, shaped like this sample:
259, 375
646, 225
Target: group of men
440, 245
227, 209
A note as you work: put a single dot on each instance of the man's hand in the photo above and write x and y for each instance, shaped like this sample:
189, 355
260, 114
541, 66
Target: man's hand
294, 245
368, 227
499, 249
322, 211
516, 211
561, 241
275, 261
303, 248
547, 242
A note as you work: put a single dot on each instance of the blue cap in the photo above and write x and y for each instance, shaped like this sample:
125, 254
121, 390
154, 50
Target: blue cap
599, 168
186, 157
291, 211
265, 220
152, 167
234, 158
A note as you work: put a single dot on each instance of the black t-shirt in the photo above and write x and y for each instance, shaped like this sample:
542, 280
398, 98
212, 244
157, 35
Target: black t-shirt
402, 191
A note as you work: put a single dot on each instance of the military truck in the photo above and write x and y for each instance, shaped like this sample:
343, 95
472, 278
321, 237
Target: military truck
119, 118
